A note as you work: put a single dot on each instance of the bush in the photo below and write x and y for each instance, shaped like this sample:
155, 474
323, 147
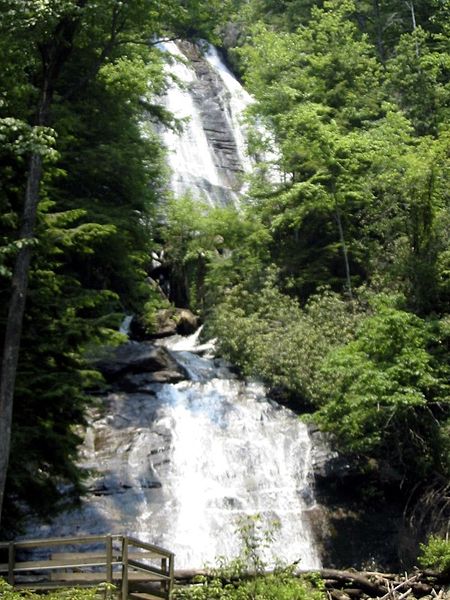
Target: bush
104, 591
281, 585
435, 555
269, 335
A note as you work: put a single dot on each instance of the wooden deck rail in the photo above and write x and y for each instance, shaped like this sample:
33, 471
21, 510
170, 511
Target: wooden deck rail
135, 565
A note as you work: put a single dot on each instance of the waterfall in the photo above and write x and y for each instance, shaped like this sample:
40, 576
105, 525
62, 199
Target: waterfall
177, 464
235, 454
176, 458
125, 325
208, 158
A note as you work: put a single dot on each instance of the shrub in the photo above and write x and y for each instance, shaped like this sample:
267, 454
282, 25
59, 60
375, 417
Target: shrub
104, 591
280, 585
435, 555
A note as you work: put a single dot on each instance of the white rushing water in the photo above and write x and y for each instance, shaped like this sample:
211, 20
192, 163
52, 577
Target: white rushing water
236, 454
180, 464
189, 154
208, 157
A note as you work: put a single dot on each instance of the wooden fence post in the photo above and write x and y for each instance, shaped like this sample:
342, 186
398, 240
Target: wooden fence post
124, 568
11, 562
109, 552
164, 585
172, 574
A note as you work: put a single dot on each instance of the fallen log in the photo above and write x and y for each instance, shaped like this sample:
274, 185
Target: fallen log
343, 584
188, 575
379, 575
353, 592
345, 577
353, 578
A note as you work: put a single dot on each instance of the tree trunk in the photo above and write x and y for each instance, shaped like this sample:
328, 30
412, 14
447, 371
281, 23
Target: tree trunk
15, 316
379, 29
410, 5
54, 54
344, 252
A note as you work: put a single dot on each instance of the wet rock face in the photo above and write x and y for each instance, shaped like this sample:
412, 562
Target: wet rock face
212, 100
328, 465
208, 158
155, 361
143, 382
118, 438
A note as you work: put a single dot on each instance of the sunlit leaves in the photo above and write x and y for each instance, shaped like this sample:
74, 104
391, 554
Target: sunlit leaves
418, 76
376, 389
268, 334
19, 15
19, 138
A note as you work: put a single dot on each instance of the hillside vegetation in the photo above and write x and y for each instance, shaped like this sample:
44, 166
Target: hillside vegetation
331, 283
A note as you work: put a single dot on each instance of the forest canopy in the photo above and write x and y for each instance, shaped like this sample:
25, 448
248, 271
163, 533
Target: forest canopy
332, 280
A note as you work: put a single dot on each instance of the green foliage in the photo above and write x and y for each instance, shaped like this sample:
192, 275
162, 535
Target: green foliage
268, 334
280, 586
210, 249
379, 394
418, 76
360, 196
435, 555
19, 138
7, 592
63, 320
319, 91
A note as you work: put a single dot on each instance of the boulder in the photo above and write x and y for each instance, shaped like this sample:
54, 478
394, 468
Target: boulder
140, 358
144, 382
170, 321
166, 324
186, 321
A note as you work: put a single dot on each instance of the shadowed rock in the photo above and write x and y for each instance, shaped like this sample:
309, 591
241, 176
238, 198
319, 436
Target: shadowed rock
155, 361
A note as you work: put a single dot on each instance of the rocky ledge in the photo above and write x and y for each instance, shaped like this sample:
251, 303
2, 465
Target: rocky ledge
138, 364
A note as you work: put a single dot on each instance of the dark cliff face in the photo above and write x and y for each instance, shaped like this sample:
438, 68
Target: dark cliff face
357, 524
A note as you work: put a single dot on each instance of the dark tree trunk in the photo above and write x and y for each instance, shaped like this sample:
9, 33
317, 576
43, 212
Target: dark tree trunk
379, 30
54, 54
344, 252
16, 311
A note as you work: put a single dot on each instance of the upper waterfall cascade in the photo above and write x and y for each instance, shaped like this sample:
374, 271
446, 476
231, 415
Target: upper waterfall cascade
208, 158
177, 461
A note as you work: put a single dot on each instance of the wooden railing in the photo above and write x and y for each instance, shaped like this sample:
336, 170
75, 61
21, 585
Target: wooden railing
130, 564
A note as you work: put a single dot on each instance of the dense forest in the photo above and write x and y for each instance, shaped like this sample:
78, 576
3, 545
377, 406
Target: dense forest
331, 282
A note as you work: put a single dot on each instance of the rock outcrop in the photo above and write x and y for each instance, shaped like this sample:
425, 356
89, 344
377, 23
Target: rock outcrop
155, 362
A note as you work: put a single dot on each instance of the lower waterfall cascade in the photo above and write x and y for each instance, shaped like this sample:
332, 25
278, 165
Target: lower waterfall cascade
177, 464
